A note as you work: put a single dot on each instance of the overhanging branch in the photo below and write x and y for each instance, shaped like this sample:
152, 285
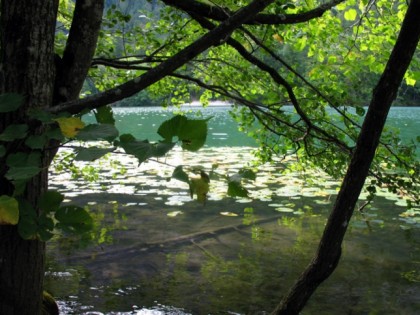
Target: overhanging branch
219, 13
214, 37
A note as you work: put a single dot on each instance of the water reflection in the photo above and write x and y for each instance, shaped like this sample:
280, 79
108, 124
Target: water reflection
157, 247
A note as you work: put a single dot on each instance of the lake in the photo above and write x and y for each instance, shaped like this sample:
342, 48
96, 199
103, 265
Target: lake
157, 251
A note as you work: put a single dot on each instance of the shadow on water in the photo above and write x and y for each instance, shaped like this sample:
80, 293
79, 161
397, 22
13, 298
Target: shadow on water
159, 252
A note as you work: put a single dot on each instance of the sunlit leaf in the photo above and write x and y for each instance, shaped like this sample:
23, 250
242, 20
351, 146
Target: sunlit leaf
70, 126
9, 210
14, 132
10, 102
410, 81
350, 15
73, 219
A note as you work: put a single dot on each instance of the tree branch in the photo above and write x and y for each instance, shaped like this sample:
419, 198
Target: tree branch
133, 86
219, 13
329, 250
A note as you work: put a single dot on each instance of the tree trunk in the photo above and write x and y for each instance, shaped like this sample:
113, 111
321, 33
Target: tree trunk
329, 250
26, 65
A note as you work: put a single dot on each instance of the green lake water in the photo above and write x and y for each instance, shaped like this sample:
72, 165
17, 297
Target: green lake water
157, 251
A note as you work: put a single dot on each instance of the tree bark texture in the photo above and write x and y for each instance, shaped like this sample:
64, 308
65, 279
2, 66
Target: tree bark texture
27, 68
329, 250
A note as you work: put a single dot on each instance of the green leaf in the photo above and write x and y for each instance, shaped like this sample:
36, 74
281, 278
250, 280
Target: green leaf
14, 132
360, 111
36, 141
170, 128
55, 134
23, 166
350, 15
180, 174
104, 115
41, 115
2, 151
28, 225
247, 174
9, 210
161, 148
45, 227
50, 201
10, 102
192, 133
92, 153
98, 132
74, 219
22, 173
235, 189
142, 150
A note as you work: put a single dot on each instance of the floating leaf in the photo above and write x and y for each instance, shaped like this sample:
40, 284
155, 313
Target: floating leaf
229, 214
13, 132
74, 219
92, 153
174, 213
9, 210
98, 132
10, 102
70, 126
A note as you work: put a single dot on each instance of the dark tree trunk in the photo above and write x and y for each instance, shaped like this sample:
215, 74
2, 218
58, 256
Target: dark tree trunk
26, 65
329, 250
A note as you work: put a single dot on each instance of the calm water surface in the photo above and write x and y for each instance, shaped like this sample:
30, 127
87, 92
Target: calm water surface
156, 251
